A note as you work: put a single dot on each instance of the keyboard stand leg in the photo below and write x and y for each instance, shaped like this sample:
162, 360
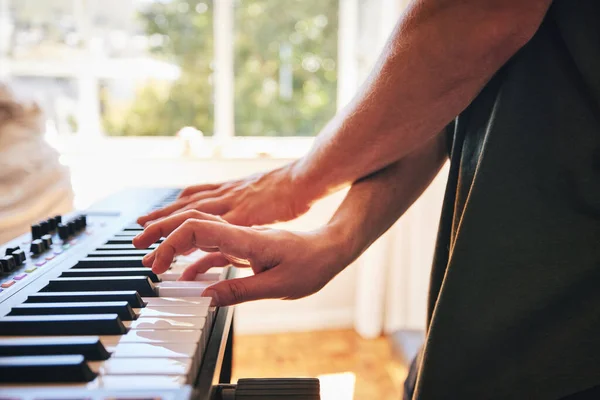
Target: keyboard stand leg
227, 365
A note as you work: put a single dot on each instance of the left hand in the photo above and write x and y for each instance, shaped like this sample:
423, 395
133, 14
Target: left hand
286, 265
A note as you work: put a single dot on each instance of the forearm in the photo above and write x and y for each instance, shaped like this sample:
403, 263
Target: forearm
375, 202
440, 55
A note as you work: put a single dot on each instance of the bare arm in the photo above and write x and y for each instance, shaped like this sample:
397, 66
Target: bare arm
438, 58
278, 258
375, 203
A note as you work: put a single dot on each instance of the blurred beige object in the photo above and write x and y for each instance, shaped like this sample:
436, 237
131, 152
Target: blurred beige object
33, 183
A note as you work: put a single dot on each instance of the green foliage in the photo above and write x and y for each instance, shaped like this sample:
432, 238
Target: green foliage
285, 69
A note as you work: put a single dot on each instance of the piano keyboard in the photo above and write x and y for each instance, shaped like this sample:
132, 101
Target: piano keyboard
81, 316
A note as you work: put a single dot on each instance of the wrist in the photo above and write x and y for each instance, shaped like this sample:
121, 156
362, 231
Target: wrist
309, 187
340, 239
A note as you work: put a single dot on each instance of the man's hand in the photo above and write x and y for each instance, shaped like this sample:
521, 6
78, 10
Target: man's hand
286, 265
256, 200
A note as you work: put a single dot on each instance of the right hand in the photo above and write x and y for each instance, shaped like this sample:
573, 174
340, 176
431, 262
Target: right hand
256, 200
286, 265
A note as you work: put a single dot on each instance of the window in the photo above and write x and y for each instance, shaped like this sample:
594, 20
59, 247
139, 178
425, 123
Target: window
152, 67
285, 66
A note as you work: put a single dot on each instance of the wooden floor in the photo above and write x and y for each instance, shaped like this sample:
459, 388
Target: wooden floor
331, 355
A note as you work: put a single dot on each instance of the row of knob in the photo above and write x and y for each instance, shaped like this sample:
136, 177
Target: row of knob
41, 240
45, 227
38, 231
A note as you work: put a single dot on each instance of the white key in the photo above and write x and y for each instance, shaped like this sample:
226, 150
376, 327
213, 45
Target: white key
166, 323
142, 381
156, 350
197, 308
168, 312
185, 284
177, 301
151, 336
144, 366
181, 289
170, 276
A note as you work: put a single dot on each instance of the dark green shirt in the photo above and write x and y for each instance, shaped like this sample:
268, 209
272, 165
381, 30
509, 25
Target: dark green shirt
514, 310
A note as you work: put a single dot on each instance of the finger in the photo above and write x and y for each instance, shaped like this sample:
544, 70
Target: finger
207, 194
165, 226
202, 265
198, 188
265, 285
235, 241
148, 259
163, 212
236, 217
217, 206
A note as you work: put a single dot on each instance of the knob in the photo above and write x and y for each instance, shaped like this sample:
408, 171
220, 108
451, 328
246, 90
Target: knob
36, 231
47, 239
19, 256
8, 264
78, 224
72, 227
63, 231
45, 227
81, 222
58, 219
37, 247
10, 250
51, 224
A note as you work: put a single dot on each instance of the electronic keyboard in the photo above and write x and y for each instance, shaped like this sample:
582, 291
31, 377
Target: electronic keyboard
82, 318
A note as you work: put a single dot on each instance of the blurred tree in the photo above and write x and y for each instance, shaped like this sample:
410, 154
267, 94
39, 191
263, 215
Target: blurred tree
179, 31
285, 69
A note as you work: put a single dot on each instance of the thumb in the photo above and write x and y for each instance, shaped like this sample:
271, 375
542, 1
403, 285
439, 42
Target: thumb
256, 287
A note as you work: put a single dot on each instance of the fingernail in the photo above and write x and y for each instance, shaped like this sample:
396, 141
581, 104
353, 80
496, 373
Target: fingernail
212, 294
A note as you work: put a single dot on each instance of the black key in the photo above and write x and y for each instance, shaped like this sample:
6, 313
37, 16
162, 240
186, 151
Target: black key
119, 241
130, 296
88, 346
119, 253
121, 308
108, 262
53, 369
130, 234
82, 272
134, 227
44, 325
125, 240
123, 247
141, 284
